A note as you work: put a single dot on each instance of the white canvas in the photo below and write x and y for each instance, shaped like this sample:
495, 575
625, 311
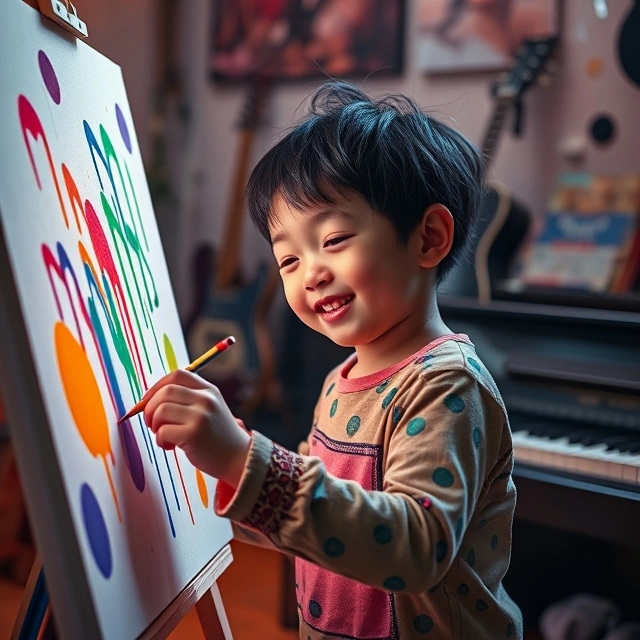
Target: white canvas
100, 317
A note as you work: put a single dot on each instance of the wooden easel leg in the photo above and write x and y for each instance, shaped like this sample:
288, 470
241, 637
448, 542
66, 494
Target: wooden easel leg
213, 618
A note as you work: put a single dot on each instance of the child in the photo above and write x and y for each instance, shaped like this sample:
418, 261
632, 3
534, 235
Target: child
399, 505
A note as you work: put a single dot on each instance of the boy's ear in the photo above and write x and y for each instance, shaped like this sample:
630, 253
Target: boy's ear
436, 235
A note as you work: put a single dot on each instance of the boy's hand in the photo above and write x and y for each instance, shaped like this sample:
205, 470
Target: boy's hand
186, 411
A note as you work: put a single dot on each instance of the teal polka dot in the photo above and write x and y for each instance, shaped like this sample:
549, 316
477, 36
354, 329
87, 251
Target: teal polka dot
333, 547
330, 389
481, 523
441, 550
474, 363
315, 609
481, 605
415, 426
477, 436
471, 557
459, 526
454, 403
397, 414
510, 629
443, 477
494, 542
334, 407
353, 425
423, 624
394, 583
463, 589
389, 397
381, 387
382, 534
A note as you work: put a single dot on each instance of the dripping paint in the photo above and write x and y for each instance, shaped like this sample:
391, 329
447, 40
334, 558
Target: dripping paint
101, 319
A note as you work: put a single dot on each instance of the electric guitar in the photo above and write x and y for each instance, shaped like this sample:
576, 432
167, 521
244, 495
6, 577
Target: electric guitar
502, 223
225, 304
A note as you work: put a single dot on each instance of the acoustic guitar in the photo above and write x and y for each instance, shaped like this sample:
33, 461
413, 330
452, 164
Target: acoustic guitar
226, 304
502, 222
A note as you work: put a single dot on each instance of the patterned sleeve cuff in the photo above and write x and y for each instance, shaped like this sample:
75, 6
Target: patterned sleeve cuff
267, 488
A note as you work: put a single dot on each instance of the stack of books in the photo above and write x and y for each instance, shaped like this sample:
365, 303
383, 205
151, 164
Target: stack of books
588, 239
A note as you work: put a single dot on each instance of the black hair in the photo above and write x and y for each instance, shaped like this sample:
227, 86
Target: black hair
390, 152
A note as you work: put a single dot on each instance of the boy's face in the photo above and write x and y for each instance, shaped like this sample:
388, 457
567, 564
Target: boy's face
345, 272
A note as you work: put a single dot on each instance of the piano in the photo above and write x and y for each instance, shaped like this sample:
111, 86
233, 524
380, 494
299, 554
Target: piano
570, 378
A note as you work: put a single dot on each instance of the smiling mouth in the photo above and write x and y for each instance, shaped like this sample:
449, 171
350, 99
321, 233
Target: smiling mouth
331, 308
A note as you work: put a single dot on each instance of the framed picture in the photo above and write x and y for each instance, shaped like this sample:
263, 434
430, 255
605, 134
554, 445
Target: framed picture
480, 35
296, 39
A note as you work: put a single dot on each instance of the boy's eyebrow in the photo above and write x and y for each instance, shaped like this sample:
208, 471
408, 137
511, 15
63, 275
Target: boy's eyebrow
316, 220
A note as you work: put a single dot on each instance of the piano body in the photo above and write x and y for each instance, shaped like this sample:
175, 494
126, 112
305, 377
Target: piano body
570, 377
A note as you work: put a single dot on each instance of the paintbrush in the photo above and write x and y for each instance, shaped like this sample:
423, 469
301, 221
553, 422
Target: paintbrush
194, 367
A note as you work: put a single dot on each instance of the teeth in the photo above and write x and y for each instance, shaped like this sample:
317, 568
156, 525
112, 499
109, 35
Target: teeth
334, 305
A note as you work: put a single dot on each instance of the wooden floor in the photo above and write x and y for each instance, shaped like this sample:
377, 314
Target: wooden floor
251, 592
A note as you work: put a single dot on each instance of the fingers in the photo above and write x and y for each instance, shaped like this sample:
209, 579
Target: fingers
181, 378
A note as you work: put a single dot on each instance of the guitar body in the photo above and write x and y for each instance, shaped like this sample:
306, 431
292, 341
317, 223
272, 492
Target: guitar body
629, 44
501, 226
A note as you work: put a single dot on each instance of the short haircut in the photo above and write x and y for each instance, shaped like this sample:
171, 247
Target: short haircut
389, 151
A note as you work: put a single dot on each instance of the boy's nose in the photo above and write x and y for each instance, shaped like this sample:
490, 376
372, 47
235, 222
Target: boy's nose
316, 277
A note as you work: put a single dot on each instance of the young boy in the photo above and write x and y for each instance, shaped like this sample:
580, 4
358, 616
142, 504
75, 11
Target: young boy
399, 505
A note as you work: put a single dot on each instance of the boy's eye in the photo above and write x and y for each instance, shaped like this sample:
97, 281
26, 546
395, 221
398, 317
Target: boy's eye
331, 242
286, 262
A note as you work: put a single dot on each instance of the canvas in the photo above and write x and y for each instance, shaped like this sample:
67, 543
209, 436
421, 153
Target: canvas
102, 325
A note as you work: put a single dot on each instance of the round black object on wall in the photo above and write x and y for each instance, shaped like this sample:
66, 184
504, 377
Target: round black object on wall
602, 129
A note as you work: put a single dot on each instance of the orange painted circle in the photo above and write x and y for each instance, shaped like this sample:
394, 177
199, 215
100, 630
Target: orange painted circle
82, 392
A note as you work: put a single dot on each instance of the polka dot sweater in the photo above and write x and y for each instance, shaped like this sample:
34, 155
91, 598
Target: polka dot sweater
400, 516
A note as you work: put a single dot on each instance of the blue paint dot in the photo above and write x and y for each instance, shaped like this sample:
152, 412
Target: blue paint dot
124, 130
423, 624
353, 425
424, 358
389, 397
315, 609
481, 605
382, 534
381, 387
334, 408
394, 583
474, 364
330, 389
319, 491
463, 589
471, 557
510, 629
333, 547
96, 529
441, 550
477, 436
494, 542
443, 477
398, 412
454, 403
415, 426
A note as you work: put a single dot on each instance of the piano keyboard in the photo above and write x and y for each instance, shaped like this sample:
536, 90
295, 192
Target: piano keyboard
610, 454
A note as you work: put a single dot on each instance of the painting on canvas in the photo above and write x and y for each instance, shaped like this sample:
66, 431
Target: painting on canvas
101, 320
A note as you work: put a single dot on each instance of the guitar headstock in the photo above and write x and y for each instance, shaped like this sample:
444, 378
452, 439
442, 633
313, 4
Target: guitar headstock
533, 60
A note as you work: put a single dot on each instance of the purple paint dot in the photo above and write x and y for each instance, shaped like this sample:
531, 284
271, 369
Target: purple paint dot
132, 455
124, 130
49, 76
96, 529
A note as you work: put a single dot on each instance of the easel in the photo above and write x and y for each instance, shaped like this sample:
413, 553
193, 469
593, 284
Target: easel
36, 618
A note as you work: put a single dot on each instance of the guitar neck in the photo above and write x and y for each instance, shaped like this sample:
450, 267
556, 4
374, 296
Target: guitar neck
492, 134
